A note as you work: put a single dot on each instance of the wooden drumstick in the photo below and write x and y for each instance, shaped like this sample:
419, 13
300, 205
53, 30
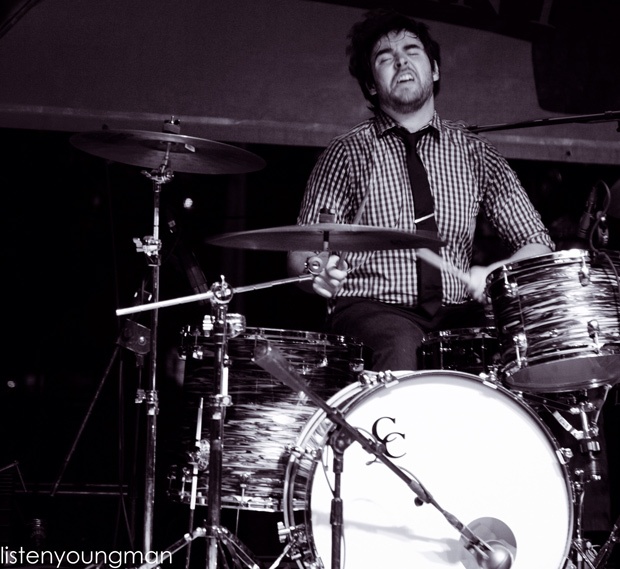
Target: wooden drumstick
437, 261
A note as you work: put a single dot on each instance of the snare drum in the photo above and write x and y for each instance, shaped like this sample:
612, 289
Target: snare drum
472, 350
265, 417
558, 321
481, 452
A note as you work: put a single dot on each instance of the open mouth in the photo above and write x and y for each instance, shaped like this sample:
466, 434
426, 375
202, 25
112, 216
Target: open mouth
404, 78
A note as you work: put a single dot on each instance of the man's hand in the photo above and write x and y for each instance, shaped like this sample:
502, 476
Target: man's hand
477, 282
478, 275
328, 281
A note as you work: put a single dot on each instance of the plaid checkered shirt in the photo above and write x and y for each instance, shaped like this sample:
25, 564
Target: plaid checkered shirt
465, 173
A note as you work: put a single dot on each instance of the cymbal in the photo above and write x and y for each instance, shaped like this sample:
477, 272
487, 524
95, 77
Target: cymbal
148, 150
339, 237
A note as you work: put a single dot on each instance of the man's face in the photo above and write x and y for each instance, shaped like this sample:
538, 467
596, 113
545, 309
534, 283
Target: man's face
402, 72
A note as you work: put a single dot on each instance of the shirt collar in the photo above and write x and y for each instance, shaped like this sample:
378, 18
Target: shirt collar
384, 123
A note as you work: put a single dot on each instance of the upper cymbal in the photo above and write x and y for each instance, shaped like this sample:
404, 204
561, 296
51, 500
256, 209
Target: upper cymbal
338, 236
148, 149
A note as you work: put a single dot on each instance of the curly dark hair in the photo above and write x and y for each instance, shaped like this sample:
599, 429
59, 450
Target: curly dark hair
365, 34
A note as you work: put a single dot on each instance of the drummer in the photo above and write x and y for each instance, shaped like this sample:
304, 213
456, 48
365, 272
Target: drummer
367, 176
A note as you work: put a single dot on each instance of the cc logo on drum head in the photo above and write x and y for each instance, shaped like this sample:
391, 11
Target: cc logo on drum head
390, 437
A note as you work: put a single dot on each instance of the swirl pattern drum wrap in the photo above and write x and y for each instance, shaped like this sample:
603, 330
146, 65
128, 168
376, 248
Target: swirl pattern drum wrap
265, 417
558, 321
477, 448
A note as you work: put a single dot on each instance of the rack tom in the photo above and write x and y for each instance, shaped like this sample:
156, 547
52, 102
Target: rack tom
558, 320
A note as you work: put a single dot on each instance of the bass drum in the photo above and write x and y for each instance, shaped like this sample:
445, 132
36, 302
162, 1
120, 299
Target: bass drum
481, 452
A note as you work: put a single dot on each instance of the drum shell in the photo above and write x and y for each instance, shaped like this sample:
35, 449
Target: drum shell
470, 350
558, 321
265, 416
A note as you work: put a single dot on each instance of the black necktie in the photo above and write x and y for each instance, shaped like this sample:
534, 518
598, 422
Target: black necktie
429, 277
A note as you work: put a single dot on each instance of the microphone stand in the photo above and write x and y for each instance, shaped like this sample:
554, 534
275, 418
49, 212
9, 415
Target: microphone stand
549, 121
278, 366
339, 441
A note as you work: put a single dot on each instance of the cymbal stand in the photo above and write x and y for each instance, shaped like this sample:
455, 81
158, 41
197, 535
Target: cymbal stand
151, 246
192, 504
217, 535
587, 403
607, 548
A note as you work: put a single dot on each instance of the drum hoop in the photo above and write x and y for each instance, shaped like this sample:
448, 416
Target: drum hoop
310, 337
564, 257
475, 333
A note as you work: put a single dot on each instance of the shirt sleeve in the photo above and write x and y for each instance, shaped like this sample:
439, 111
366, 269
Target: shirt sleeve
508, 206
328, 186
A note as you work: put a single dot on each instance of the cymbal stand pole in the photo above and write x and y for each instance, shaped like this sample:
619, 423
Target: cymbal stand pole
589, 446
192, 504
217, 409
579, 545
151, 246
217, 535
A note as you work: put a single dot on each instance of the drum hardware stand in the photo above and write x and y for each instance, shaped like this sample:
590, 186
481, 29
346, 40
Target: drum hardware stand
192, 503
151, 246
134, 337
15, 465
235, 548
487, 556
583, 555
607, 548
296, 538
215, 534
340, 440
581, 548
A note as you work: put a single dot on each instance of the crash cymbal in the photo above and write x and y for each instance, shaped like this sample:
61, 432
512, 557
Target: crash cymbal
148, 149
338, 236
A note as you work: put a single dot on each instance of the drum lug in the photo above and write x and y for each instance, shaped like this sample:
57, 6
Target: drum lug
235, 325
565, 454
367, 378
584, 273
198, 353
520, 343
299, 453
593, 331
374, 377
511, 288
357, 365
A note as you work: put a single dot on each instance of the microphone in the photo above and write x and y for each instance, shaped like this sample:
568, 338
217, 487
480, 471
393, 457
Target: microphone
499, 557
488, 543
588, 215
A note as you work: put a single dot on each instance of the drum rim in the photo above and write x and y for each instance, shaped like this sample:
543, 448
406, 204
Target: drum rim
472, 333
564, 256
262, 332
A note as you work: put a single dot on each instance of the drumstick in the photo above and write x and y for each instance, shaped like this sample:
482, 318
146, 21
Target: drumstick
437, 261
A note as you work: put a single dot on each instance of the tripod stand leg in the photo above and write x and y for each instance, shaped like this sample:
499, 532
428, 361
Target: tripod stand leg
239, 552
83, 425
